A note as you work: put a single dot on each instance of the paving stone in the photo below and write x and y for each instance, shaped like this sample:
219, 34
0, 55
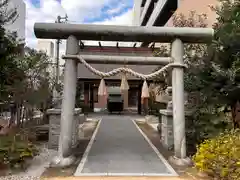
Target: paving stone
119, 147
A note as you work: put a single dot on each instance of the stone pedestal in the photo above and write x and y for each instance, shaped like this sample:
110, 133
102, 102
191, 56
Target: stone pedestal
80, 126
82, 118
167, 137
54, 127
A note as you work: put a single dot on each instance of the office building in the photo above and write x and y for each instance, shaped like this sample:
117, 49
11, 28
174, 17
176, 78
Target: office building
160, 12
47, 47
19, 25
153, 12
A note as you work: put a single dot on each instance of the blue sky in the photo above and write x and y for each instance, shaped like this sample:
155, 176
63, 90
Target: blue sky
114, 12
108, 12
111, 9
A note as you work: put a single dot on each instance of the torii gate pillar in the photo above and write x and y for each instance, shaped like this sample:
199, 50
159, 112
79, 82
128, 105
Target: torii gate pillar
65, 156
177, 53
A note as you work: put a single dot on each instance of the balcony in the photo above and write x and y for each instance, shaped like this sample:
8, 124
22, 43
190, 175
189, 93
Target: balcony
157, 12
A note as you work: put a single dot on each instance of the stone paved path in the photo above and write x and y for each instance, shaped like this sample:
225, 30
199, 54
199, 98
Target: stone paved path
120, 149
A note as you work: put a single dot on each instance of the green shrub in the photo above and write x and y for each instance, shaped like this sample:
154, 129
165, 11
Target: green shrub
219, 157
14, 150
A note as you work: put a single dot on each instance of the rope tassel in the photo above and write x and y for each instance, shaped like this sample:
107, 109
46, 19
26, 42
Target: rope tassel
124, 83
102, 89
145, 90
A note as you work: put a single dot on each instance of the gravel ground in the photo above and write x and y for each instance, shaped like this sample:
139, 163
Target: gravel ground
17, 177
37, 166
41, 162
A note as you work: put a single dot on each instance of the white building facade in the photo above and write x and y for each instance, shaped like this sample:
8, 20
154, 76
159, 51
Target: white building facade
19, 25
47, 47
137, 12
153, 13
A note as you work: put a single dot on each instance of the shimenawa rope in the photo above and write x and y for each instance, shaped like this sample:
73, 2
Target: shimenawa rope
129, 71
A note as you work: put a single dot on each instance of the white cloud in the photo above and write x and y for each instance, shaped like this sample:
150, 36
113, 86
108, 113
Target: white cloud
33, 15
117, 9
124, 19
77, 11
52, 8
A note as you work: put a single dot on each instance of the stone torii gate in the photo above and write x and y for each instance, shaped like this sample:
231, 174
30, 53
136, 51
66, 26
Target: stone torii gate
73, 33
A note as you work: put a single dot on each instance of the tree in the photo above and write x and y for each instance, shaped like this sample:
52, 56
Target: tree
213, 77
35, 88
202, 81
192, 51
25, 79
9, 49
227, 57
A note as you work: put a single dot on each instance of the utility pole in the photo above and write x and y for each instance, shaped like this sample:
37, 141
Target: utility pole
58, 42
57, 54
